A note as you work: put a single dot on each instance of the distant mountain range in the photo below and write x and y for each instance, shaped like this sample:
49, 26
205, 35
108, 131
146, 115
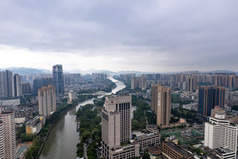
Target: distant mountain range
25, 71
222, 71
90, 71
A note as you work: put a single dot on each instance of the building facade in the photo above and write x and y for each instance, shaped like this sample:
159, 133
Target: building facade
16, 86
134, 82
117, 142
152, 139
6, 84
34, 125
220, 134
161, 104
209, 97
46, 100
116, 128
38, 83
72, 95
172, 151
26, 88
191, 84
7, 119
120, 105
2, 141
58, 79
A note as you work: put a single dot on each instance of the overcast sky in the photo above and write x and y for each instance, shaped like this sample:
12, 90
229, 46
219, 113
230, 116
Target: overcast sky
143, 35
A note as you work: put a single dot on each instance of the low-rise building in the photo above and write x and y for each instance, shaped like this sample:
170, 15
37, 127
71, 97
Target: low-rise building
191, 106
225, 153
10, 101
146, 140
34, 125
118, 152
172, 151
72, 95
20, 120
172, 138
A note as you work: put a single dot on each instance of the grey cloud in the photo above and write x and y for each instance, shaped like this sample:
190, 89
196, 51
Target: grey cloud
186, 33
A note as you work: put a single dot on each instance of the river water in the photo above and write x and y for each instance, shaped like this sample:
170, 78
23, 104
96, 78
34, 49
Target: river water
63, 138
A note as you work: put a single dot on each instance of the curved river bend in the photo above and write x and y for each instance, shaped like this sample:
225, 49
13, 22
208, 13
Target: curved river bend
63, 138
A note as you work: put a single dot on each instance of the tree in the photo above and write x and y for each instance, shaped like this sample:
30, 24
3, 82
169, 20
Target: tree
146, 156
85, 136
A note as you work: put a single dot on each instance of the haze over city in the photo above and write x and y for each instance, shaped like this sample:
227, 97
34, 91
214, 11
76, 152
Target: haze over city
118, 79
151, 36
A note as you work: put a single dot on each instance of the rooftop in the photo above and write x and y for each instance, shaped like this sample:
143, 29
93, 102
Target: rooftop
223, 150
33, 121
178, 149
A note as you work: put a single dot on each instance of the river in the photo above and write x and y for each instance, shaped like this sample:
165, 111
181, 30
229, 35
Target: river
63, 138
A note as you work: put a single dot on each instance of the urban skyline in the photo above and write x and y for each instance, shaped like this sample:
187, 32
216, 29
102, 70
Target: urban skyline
118, 79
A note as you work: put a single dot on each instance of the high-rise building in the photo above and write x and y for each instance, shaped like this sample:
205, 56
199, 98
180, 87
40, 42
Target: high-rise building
220, 134
38, 83
233, 81
191, 84
58, 80
209, 97
134, 82
116, 128
46, 100
26, 88
7, 119
6, 84
99, 77
142, 83
2, 141
16, 86
153, 98
161, 104
121, 106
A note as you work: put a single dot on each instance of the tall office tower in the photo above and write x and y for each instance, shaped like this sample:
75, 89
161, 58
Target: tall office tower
47, 81
26, 88
16, 86
7, 119
46, 100
220, 134
120, 105
191, 84
58, 80
6, 84
2, 141
209, 97
161, 104
116, 128
39, 83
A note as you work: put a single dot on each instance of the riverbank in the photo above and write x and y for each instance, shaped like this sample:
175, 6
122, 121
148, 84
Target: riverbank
40, 140
90, 129
64, 137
